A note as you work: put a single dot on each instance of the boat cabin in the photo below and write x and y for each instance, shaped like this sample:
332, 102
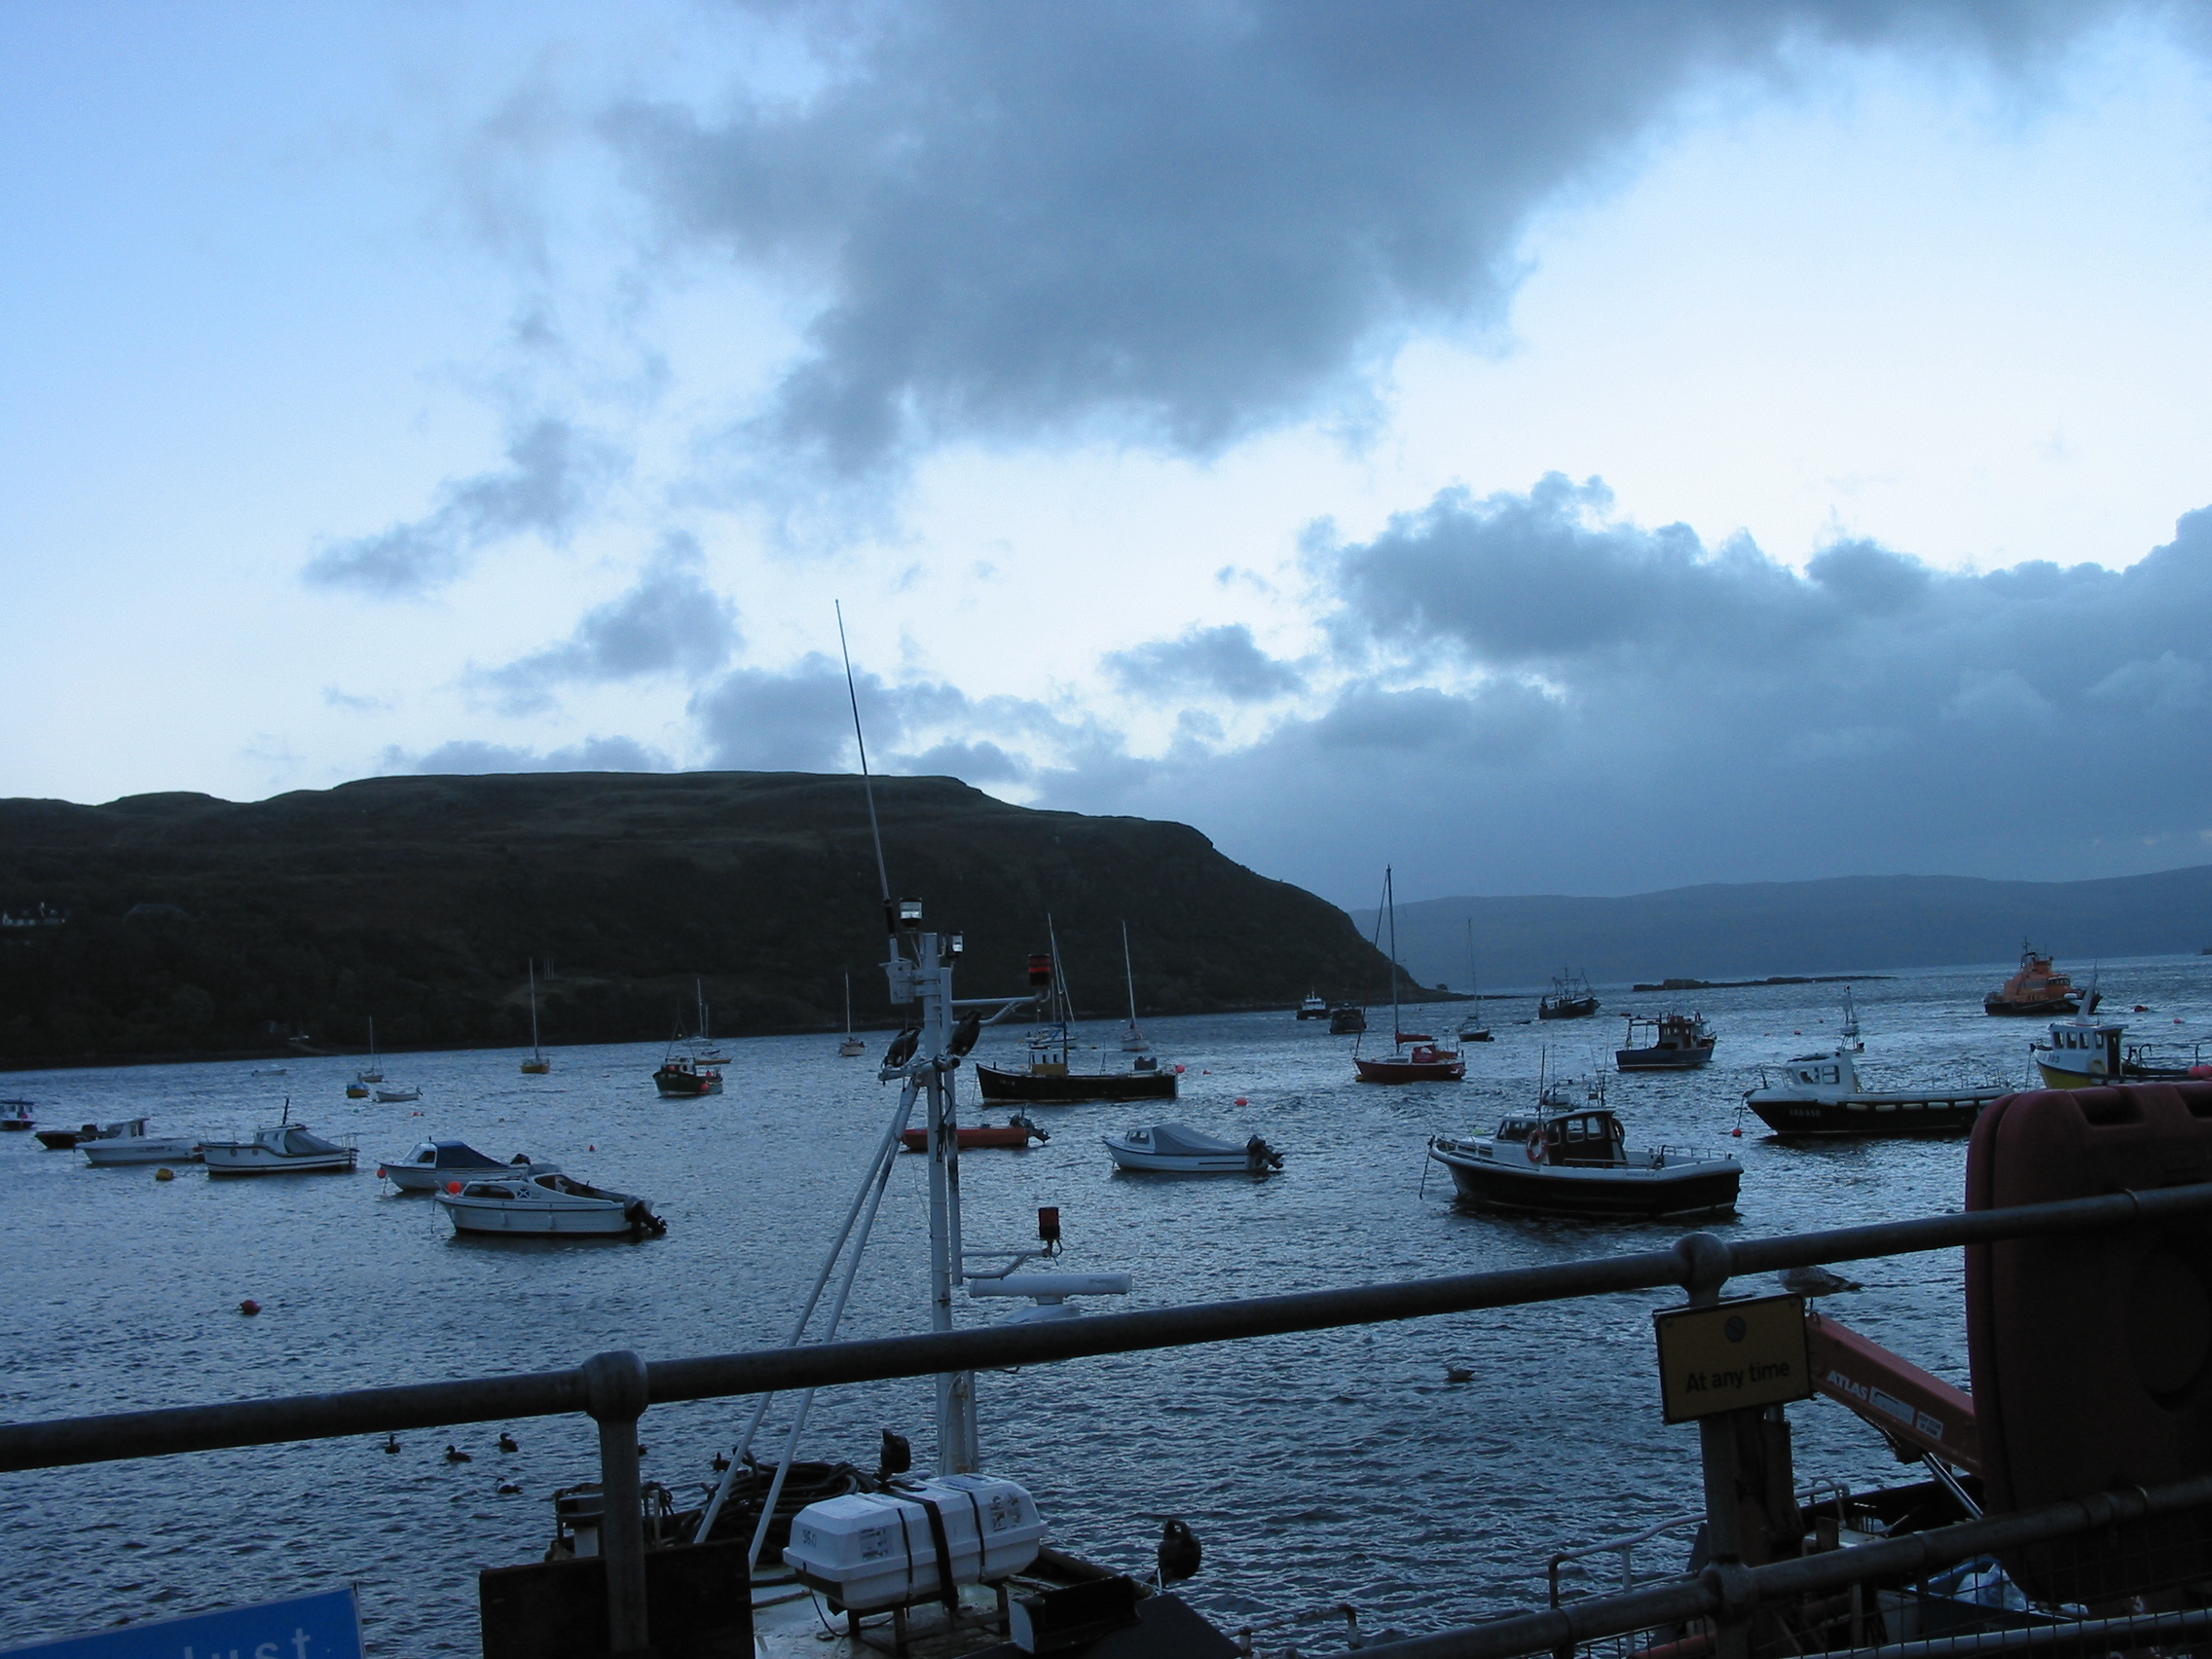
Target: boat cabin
1669, 1031
1570, 1140
2092, 1050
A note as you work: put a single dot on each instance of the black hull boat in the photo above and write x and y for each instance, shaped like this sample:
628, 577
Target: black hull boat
1048, 1087
1347, 1021
1571, 998
1679, 1042
2038, 991
1885, 1114
1823, 1094
1690, 1189
1575, 1161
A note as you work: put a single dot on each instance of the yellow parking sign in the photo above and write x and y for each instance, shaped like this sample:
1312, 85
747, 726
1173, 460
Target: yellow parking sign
1731, 1356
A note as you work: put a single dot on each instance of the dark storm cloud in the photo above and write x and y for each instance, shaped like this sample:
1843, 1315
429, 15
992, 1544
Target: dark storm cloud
1532, 697
553, 476
669, 623
1217, 662
1185, 223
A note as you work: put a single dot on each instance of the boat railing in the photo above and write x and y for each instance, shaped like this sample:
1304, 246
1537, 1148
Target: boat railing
616, 1388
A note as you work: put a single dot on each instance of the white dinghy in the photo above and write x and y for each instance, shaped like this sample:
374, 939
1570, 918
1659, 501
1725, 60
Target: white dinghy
135, 1145
1177, 1149
435, 1163
284, 1148
548, 1205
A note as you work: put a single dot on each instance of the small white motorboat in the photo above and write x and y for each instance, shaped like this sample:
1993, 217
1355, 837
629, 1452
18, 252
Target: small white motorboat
436, 1164
284, 1148
397, 1096
549, 1205
1177, 1149
135, 1145
15, 1115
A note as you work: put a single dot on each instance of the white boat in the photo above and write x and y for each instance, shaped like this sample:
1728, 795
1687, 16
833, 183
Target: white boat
134, 1145
549, 1205
436, 1164
399, 1096
15, 1115
1823, 1094
2085, 1053
1177, 1149
282, 1149
852, 1048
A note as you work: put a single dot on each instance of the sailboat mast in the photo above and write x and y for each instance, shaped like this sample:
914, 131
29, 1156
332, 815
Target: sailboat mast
1129, 974
534, 1008
1391, 904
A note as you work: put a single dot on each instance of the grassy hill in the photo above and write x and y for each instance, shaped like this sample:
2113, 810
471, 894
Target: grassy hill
1846, 925
198, 925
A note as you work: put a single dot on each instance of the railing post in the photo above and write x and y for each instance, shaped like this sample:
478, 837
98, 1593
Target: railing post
614, 1392
1706, 1264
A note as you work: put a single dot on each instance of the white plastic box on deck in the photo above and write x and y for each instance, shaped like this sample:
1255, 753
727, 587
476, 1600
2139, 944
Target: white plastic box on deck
871, 1550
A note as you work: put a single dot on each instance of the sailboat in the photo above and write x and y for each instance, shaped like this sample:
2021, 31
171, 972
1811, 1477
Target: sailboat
1424, 1061
537, 1065
1133, 1041
704, 1052
1046, 1077
1472, 1029
852, 1048
374, 1073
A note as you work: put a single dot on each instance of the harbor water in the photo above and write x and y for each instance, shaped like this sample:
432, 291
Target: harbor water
1319, 1471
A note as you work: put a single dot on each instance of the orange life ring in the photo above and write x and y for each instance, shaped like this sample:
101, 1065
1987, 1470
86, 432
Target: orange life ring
1536, 1144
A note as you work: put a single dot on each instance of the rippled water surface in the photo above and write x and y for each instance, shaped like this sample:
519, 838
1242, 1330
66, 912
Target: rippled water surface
1333, 1468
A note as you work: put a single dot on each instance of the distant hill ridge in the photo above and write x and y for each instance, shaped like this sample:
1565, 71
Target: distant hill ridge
179, 923
1841, 924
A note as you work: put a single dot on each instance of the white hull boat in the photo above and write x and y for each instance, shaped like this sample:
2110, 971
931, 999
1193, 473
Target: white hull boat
139, 1148
435, 1165
1176, 1149
282, 1149
549, 1205
397, 1096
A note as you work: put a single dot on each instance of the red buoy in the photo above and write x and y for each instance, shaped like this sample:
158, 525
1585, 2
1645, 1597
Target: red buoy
453, 1186
1241, 1101
249, 1306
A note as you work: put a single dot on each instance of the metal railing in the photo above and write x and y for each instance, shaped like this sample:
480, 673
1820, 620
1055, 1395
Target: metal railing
616, 1388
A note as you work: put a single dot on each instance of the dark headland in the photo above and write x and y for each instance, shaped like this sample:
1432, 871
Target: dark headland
179, 924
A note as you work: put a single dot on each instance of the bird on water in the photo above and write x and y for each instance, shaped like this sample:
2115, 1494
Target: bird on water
1179, 1553
455, 1454
508, 1443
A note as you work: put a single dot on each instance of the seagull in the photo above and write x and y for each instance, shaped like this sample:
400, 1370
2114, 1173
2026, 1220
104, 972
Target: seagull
508, 1443
1179, 1553
1814, 1282
1458, 1374
455, 1454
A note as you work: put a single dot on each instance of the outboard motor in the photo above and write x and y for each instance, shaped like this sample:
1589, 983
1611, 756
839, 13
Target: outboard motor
1260, 1156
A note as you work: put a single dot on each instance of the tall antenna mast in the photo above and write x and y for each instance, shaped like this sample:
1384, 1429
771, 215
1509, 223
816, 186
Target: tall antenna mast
867, 784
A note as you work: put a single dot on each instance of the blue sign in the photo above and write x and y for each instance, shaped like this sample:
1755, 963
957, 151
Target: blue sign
305, 1627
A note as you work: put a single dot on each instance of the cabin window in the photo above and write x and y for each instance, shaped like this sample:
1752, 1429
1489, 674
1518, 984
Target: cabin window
1832, 1074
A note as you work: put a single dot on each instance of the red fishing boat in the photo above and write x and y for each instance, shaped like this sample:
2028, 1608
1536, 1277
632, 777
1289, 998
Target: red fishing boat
2037, 988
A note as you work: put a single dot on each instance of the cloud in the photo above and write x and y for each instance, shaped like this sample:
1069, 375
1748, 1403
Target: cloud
1182, 224
553, 476
669, 623
334, 698
1218, 662
469, 757
1525, 695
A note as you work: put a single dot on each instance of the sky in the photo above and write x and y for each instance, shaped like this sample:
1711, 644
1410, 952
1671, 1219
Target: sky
1585, 448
